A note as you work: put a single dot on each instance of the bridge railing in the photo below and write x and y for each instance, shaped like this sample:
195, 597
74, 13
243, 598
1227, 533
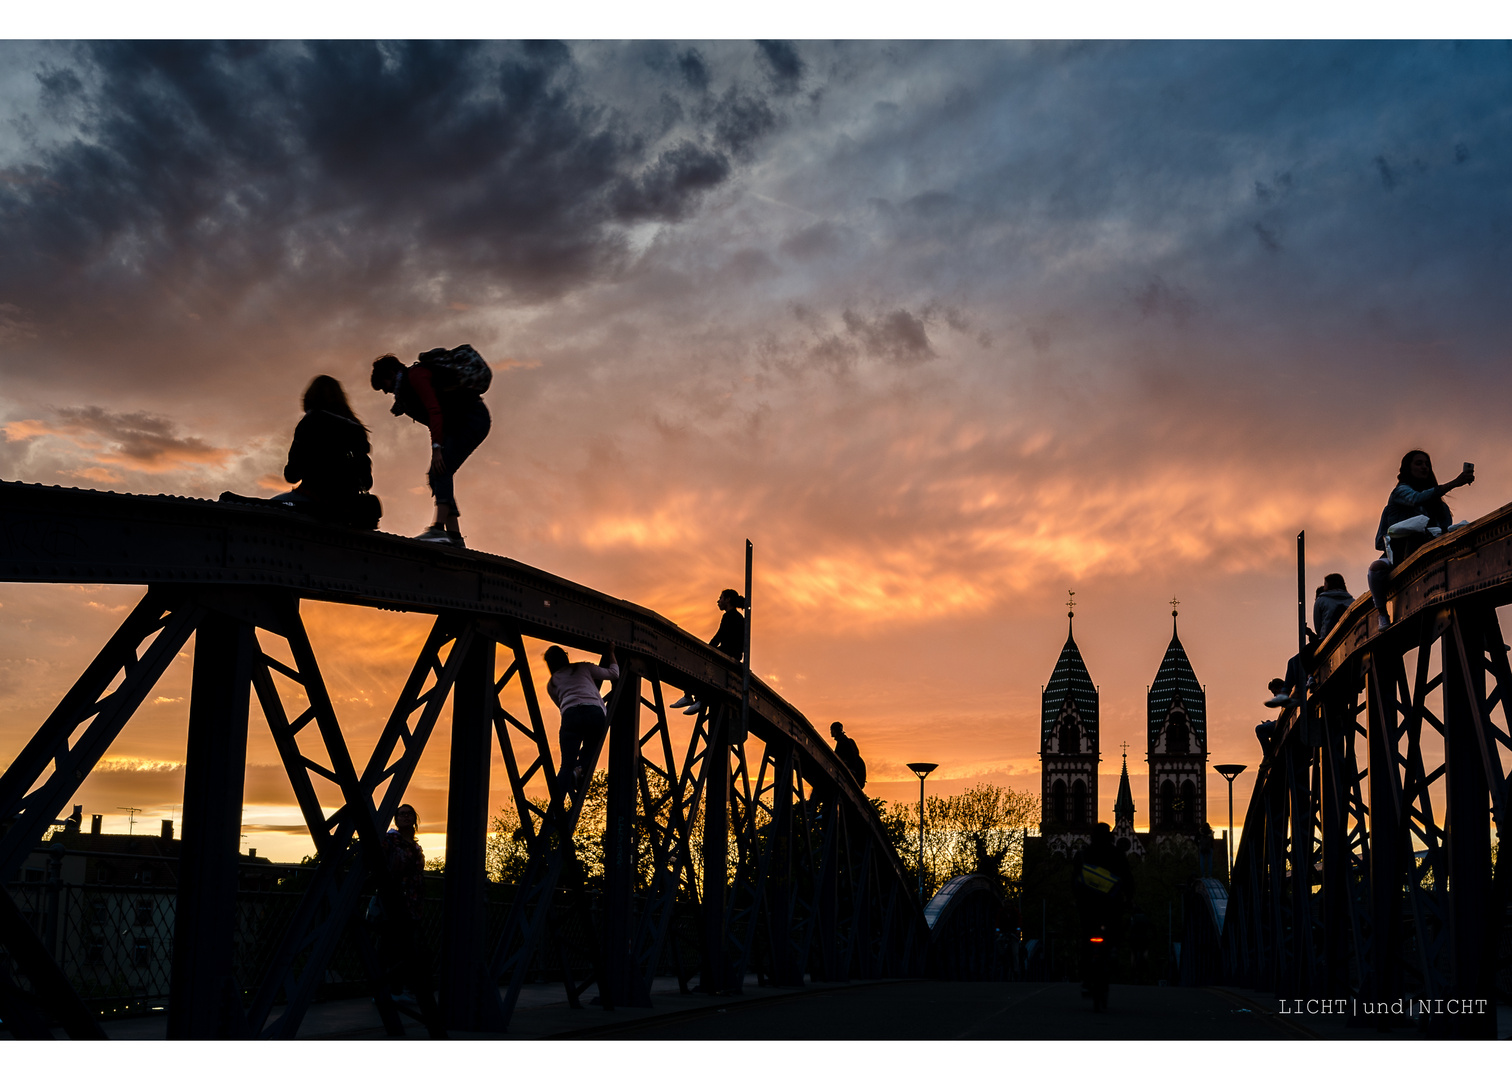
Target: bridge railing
1366, 865
762, 828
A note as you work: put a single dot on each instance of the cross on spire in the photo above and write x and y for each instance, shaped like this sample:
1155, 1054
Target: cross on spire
1070, 603
1173, 603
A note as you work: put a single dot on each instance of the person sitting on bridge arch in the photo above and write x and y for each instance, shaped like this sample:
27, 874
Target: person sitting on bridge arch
575, 690
729, 639
330, 460
1417, 494
458, 422
848, 753
1330, 604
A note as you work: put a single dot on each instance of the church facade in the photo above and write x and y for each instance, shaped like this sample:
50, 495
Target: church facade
1070, 750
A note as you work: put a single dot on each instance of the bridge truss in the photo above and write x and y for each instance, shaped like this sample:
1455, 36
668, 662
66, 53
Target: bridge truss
1366, 870
762, 829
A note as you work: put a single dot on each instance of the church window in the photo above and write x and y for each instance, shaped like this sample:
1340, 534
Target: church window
1188, 803
1078, 803
1178, 736
1058, 801
1167, 804
1070, 738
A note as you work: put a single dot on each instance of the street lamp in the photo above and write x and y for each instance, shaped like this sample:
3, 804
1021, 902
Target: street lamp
921, 769
1228, 772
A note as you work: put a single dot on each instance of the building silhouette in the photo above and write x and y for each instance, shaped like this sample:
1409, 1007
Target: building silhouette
1070, 749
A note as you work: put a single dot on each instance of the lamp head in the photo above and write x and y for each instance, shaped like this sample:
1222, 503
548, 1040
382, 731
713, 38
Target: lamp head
1228, 772
921, 769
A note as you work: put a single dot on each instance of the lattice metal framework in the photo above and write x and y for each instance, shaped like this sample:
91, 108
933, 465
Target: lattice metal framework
1366, 870
766, 832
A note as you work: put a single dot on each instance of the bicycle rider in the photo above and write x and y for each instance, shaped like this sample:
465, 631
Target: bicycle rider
1103, 886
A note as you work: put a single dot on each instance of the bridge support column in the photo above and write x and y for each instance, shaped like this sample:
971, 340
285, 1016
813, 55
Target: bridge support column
1299, 795
1468, 829
464, 978
619, 848
203, 1000
829, 895
1334, 818
787, 968
1387, 843
716, 839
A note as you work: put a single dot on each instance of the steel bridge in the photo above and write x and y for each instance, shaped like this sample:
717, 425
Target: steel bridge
763, 830
1366, 868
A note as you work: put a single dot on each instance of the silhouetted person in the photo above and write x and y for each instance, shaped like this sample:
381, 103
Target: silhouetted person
1417, 494
1103, 886
407, 969
848, 753
728, 639
330, 460
575, 690
458, 422
1330, 604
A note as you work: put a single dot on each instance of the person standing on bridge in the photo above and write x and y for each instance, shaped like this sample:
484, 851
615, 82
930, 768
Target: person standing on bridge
575, 690
729, 639
1417, 494
430, 392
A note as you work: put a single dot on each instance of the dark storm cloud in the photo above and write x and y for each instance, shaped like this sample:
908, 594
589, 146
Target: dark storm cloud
783, 63
898, 336
201, 178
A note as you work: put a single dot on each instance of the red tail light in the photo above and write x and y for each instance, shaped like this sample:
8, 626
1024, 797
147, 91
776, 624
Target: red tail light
1097, 941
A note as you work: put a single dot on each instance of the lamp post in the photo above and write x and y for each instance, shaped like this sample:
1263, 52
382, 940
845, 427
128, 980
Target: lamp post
921, 769
1228, 772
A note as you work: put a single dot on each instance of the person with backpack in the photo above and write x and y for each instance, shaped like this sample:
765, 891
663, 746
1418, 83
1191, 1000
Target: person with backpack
443, 390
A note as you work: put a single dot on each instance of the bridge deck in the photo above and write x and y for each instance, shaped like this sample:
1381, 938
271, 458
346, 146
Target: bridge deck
883, 1010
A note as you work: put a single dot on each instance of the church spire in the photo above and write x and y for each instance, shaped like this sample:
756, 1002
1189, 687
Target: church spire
1123, 808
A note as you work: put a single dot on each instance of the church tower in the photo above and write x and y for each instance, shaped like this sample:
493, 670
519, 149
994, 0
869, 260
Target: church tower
1177, 744
1069, 744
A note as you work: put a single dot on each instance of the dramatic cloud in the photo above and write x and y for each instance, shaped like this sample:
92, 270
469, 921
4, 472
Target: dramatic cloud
946, 329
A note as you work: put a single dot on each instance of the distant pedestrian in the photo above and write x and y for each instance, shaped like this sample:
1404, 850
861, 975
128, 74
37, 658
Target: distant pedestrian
729, 639
848, 753
432, 392
407, 970
575, 690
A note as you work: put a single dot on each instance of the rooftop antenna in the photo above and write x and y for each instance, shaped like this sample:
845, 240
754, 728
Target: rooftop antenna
131, 817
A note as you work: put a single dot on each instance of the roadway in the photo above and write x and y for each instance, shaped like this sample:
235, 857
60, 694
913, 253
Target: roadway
882, 1010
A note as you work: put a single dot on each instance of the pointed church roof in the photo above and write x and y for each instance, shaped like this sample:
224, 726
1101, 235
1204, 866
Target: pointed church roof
1070, 676
1175, 676
1123, 806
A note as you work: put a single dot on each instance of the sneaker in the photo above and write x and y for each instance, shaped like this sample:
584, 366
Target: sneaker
692, 710
1383, 622
1280, 701
435, 535
682, 702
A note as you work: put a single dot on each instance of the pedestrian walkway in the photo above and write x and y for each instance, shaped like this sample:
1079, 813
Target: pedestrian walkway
893, 1009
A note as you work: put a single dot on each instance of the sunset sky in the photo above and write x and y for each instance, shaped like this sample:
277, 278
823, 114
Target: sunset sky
946, 329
